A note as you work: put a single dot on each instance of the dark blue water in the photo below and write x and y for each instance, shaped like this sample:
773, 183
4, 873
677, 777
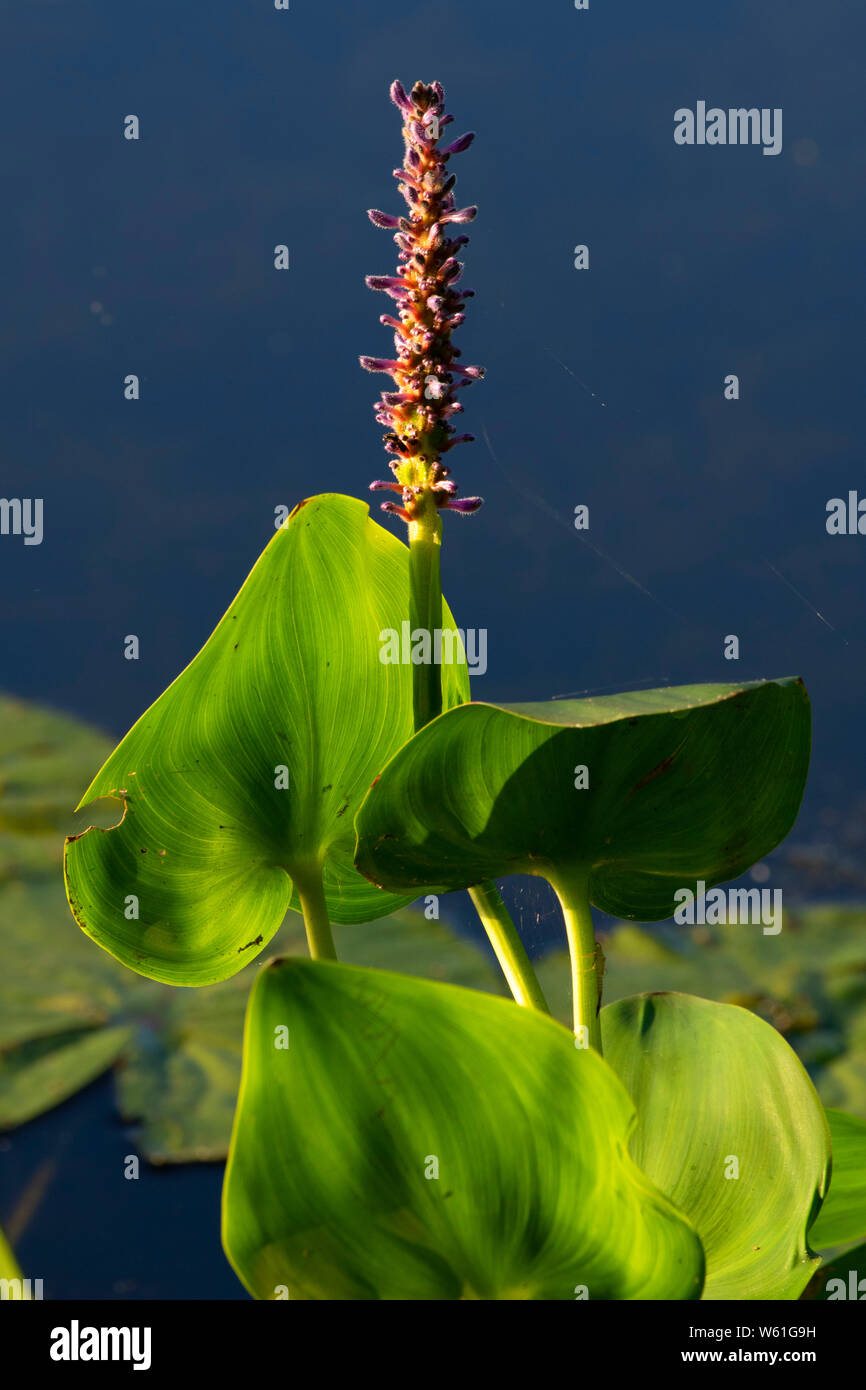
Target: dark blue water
605, 387
89, 1232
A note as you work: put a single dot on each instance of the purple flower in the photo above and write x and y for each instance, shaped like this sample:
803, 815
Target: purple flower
464, 215
458, 146
379, 364
382, 219
386, 282
464, 504
399, 97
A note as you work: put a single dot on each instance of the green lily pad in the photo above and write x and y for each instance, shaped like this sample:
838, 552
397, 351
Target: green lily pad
730, 1127
40, 1074
69, 1012
428, 1142
182, 1080
842, 1081
683, 784
842, 1218
247, 771
44, 758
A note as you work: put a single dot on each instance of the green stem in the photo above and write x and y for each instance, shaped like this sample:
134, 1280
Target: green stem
425, 608
425, 613
509, 949
571, 888
311, 893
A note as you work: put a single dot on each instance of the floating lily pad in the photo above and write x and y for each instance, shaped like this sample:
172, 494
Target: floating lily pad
182, 1079
69, 1012
44, 758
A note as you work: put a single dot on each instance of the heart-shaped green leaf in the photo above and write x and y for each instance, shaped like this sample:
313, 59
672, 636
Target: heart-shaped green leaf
68, 1011
247, 771
429, 1142
730, 1127
842, 1218
643, 793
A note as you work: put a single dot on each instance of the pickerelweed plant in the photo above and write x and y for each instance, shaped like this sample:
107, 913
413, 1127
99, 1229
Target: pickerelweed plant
396, 1138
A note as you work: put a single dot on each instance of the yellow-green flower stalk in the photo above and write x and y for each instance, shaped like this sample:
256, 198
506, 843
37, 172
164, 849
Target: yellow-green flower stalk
429, 307
418, 416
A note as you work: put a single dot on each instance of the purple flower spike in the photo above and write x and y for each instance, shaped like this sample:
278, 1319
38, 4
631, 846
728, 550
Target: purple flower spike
425, 370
